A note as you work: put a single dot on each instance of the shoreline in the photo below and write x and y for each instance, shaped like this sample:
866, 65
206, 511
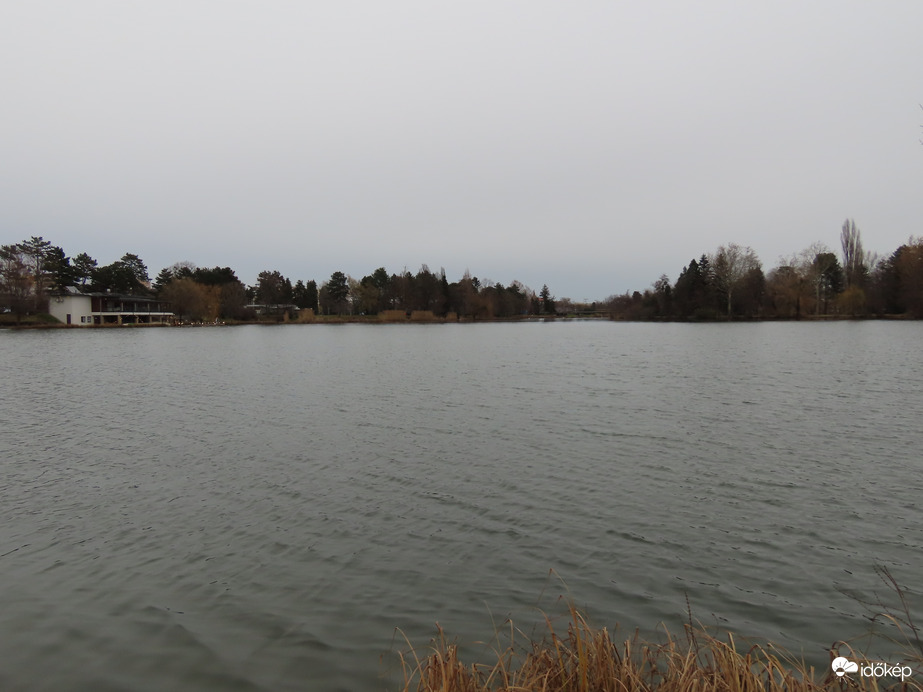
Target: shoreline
42, 324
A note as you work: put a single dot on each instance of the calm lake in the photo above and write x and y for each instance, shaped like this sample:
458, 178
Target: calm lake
275, 508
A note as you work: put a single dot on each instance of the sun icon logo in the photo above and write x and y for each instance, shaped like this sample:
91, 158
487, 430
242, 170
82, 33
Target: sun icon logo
842, 665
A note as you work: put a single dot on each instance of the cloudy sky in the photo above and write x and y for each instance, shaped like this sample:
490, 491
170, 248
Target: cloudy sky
589, 145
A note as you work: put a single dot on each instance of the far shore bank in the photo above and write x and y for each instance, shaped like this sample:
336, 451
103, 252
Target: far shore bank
45, 321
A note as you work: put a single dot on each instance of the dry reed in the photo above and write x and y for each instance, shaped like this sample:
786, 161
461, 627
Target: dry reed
585, 659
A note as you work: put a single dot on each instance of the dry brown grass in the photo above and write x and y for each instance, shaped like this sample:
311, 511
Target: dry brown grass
392, 316
585, 659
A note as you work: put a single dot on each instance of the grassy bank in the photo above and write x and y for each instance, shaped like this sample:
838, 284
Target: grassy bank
586, 659
8, 319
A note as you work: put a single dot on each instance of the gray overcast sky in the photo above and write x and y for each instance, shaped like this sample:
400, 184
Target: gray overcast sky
591, 146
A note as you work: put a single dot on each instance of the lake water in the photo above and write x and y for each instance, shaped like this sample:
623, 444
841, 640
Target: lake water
269, 508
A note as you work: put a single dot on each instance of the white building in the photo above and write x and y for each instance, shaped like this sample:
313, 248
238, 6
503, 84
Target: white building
84, 309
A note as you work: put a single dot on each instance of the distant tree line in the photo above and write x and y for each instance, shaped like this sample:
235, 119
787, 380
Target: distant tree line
34, 269
729, 283
406, 292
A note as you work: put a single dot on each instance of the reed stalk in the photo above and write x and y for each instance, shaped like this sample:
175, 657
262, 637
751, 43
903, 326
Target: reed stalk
586, 659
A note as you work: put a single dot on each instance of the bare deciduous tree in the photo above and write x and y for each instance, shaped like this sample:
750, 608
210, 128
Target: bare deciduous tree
853, 255
15, 280
730, 264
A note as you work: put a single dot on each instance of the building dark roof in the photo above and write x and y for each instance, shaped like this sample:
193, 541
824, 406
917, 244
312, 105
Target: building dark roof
75, 291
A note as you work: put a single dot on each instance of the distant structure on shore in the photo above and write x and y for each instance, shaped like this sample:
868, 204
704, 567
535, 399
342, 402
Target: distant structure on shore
73, 307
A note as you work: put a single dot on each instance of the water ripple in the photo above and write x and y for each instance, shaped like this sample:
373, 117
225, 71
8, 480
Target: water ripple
259, 508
